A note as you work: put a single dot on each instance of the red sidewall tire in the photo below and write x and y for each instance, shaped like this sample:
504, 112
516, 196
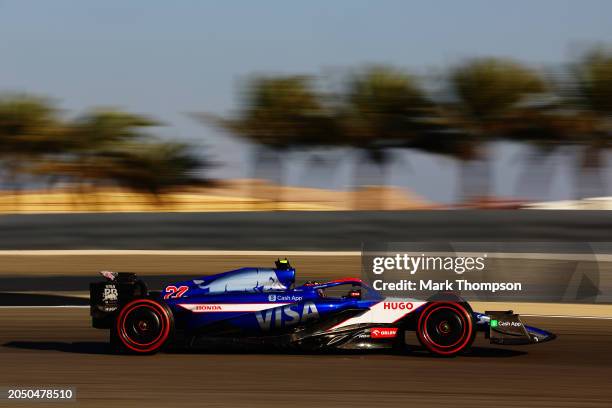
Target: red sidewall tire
467, 328
160, 310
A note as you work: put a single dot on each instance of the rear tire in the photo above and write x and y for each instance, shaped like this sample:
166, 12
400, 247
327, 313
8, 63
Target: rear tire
143, 326
446, 328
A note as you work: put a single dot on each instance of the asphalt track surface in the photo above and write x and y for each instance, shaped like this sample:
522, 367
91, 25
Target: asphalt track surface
305, 230
56, 346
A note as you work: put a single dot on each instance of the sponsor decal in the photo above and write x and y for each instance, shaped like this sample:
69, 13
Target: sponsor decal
286, 316
110, 294
284, 298
385, 312
208, 308
504, 323
383, 332
172, 292
398, 305
110, 299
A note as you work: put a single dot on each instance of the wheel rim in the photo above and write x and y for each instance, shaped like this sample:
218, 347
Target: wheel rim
445, 328
143, 325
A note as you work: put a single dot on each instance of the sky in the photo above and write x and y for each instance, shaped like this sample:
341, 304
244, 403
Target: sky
170, 58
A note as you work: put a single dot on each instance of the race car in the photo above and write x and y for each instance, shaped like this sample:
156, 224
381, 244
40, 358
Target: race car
262, 306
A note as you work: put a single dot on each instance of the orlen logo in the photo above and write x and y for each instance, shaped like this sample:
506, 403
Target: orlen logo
398, 306
383, 332
207, 308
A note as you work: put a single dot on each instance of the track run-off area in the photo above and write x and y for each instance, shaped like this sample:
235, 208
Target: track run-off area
55, 346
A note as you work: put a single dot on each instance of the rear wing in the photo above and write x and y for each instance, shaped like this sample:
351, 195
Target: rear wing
106, 297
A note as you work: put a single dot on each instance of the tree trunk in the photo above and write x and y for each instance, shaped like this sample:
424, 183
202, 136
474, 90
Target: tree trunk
319, 169
535, 180
268, 165
376, 165
589, 178
475, 173
14, 186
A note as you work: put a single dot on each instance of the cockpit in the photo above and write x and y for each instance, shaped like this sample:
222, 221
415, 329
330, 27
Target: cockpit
343, 289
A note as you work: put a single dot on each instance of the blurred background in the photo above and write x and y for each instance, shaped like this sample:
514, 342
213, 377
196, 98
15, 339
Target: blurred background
235, 106
181, 138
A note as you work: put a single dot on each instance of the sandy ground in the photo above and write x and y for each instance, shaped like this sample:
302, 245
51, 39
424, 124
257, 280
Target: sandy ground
228, 195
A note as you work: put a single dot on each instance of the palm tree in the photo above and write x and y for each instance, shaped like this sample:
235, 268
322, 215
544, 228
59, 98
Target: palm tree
113, 147
590, 94
106, 127
29, 129
92, 142
279, 114
382, 108
153, 166
485, 94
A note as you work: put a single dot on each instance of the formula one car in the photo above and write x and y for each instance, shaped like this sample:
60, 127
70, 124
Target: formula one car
261, 306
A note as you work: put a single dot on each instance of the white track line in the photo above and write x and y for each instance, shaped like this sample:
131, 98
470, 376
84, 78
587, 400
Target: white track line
569, 317
64, 252
281, 253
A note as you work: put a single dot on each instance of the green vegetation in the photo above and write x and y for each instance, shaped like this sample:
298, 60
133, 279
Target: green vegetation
376, 111
381, 109
103, 147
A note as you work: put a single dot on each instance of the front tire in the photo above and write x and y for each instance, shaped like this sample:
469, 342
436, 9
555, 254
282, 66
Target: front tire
143, 326
446, 328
